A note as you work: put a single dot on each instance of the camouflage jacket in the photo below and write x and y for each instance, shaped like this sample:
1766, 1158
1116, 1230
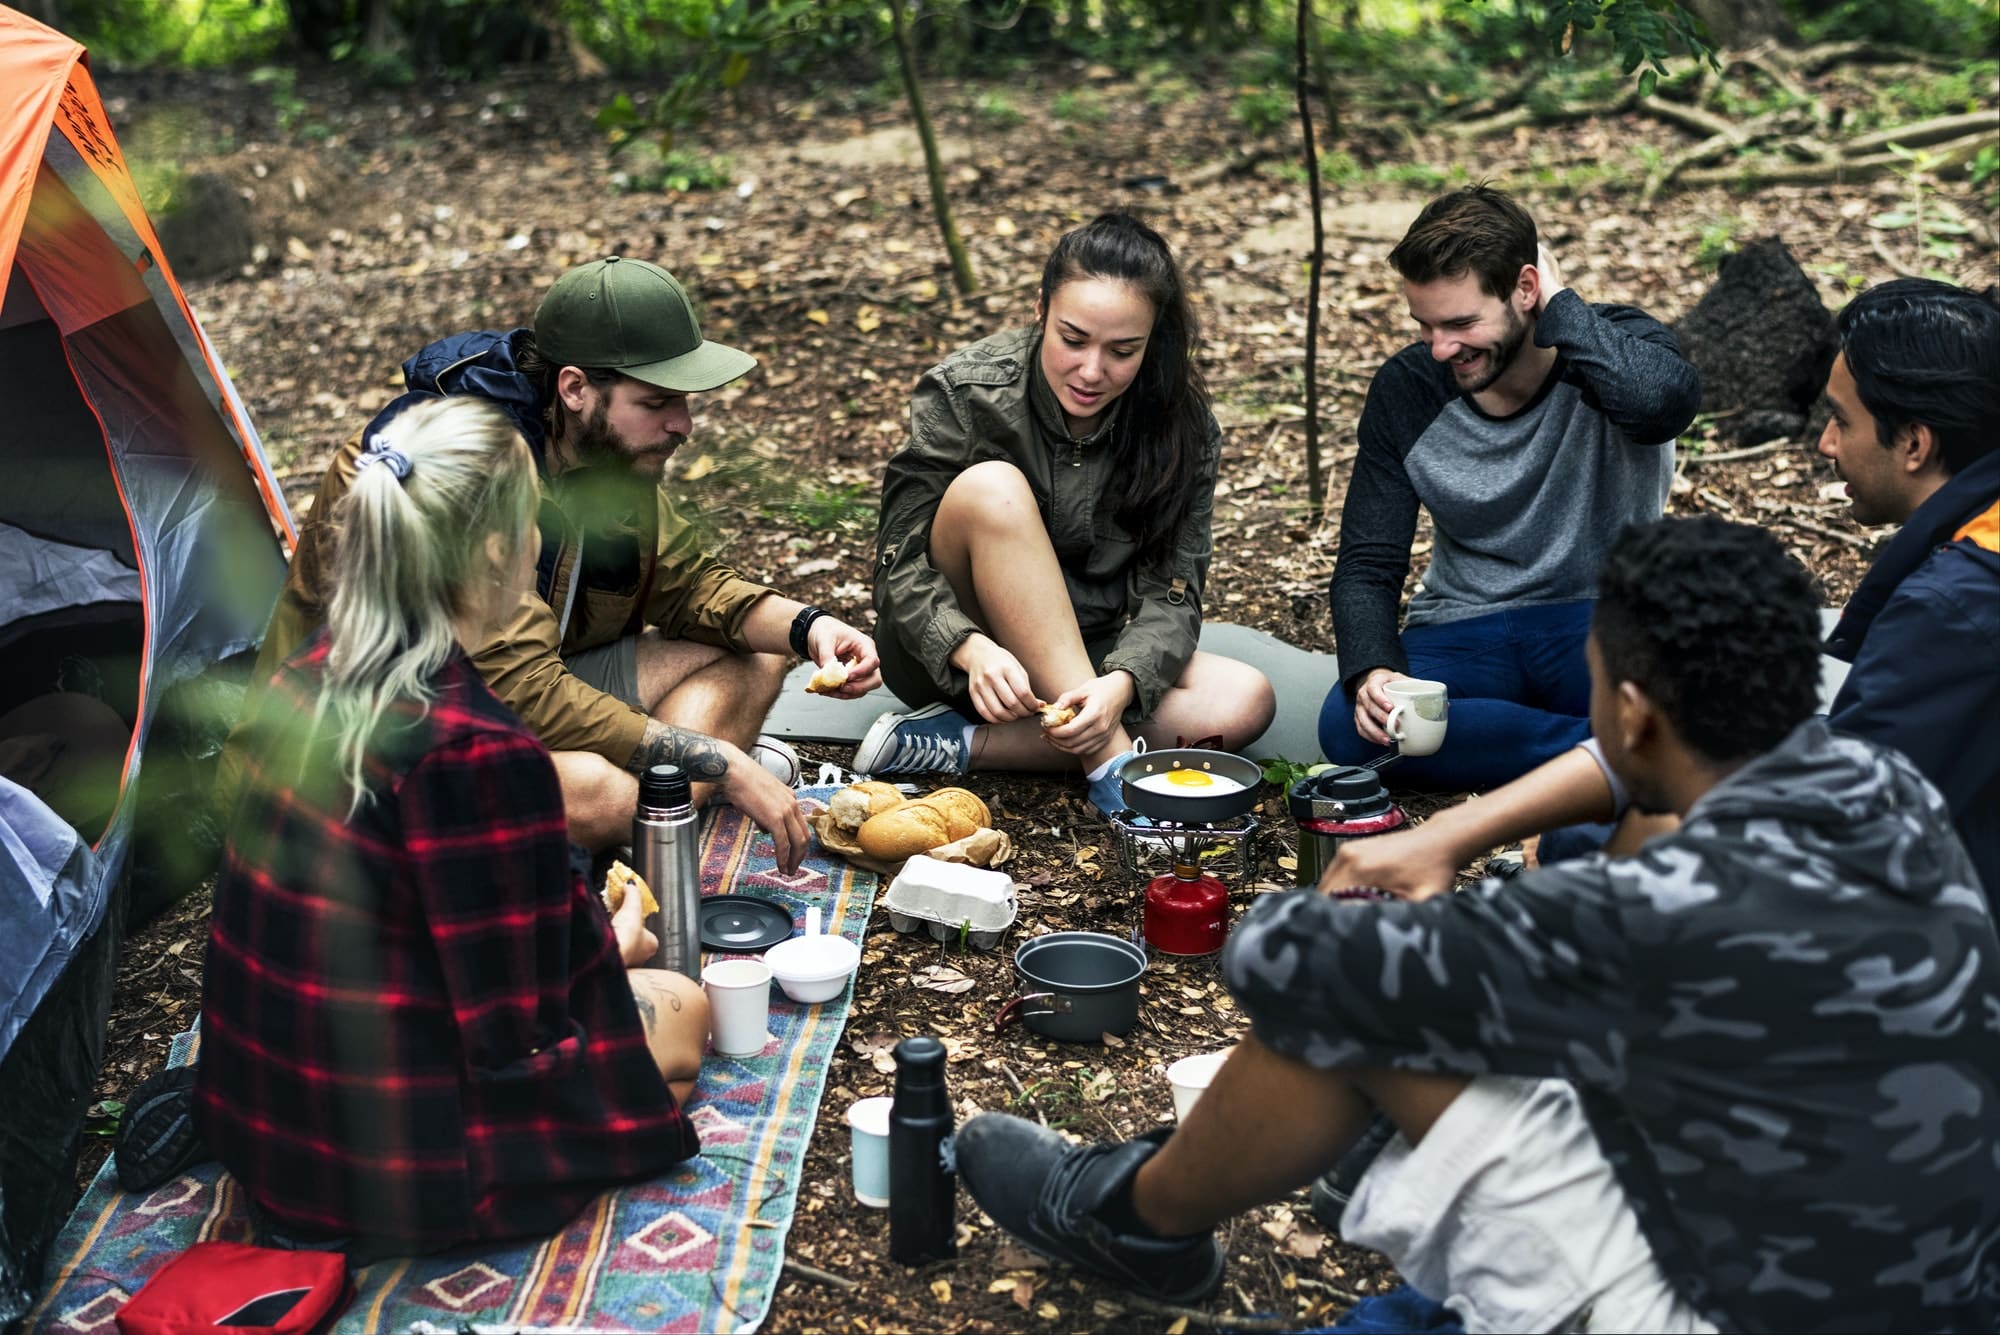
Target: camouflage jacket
1783, 1022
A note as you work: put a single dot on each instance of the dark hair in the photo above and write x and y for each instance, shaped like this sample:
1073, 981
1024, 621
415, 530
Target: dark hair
1717, 625
1164, 423
1929, 352
1476, 230
541, 369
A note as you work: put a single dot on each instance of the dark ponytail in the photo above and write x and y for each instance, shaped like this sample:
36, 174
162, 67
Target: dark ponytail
1163, 423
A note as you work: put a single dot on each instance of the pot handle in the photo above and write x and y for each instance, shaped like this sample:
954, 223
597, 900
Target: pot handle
1016, 1008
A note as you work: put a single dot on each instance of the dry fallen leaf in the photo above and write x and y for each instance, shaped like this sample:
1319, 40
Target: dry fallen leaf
842, 198
1048, 1311
1024, 1293
942, 978
700, 468
1001, 1285
867, 319
818, 316
941, 1290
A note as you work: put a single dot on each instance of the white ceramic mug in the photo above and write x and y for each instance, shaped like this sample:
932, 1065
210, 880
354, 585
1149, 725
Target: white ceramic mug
739, 1006
1417, 720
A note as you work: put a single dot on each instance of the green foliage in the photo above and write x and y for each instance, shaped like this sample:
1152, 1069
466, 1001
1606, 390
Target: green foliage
1642, 32
817, 506
996, 109
1264, 110
1717, 243
676, 169
1946, 27
1937, 93
1284, 773
1078, 107
191, 33
102, 1117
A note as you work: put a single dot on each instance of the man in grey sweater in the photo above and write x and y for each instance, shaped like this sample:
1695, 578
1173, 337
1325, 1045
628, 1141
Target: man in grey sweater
1533, 426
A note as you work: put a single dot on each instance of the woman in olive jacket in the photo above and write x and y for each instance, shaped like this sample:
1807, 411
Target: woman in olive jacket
1045, 536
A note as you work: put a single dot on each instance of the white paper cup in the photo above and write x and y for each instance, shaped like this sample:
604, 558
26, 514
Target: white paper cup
868, 1119
1190, 1076
739, 1006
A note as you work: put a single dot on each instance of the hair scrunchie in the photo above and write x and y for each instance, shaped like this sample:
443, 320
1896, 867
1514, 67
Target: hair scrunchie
380, 451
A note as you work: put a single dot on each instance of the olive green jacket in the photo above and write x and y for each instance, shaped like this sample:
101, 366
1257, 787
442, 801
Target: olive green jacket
989, 401
682, 590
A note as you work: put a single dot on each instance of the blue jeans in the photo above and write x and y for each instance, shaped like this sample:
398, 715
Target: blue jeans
1520, 695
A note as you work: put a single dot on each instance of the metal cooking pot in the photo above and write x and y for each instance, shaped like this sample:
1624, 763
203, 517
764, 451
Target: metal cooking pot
1076, 986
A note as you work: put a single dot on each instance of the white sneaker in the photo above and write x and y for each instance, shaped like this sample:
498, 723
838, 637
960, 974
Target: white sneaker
778, 760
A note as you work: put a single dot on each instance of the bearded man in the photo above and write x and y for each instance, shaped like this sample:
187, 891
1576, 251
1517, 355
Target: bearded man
1533, 426
636, 647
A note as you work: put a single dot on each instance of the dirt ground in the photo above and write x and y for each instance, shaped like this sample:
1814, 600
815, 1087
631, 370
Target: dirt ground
385, 220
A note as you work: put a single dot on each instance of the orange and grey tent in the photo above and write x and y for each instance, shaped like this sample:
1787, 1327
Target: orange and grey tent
142, 539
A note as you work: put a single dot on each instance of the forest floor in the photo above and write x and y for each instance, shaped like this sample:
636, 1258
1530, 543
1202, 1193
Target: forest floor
384, 220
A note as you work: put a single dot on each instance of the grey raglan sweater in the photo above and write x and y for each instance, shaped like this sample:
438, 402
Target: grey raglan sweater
1523, 506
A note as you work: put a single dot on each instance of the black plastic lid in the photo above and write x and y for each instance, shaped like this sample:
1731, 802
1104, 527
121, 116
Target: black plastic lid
1359, 791
919, 1063
664, 786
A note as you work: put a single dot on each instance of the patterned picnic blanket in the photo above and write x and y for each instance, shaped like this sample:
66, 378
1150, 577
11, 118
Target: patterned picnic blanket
698, 1249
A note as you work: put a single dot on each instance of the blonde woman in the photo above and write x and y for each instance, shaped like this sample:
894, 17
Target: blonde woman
419, 1027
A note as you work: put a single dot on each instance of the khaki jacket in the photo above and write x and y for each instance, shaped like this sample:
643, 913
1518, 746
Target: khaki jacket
989, 401
683, 591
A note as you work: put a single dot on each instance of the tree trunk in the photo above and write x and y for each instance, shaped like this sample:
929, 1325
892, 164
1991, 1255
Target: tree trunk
961, 264
1734, 24
1315, 483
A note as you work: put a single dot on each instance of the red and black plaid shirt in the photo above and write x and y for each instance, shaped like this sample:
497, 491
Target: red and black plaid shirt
415, 1025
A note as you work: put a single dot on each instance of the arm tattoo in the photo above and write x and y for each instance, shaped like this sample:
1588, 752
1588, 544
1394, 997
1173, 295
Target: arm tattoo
696, 752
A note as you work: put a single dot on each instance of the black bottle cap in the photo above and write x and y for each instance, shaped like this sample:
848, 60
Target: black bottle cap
919, 1063
664, 786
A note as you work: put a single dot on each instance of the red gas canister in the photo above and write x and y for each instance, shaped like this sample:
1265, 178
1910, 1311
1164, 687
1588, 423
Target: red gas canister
1187, 912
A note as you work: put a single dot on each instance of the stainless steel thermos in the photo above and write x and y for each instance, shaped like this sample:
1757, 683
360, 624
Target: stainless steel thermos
923, 1176
1333, 806
665, 850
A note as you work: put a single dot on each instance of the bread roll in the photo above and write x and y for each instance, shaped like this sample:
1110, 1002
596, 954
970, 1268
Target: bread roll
619, 881
857, 802
899, 832
829, 678
1054, 716
962, 809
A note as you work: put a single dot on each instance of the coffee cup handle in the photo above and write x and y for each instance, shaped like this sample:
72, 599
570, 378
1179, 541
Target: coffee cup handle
1016, 1008
1389, 727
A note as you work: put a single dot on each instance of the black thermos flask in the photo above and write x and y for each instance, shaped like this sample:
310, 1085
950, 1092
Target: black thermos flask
923, 1178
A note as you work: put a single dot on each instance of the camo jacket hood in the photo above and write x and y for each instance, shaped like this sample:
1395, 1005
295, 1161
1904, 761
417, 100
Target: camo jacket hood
1783, 1022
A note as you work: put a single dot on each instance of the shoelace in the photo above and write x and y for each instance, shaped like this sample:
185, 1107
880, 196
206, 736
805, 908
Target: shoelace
924, 753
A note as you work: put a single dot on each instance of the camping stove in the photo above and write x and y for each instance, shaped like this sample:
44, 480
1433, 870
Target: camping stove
1188, 820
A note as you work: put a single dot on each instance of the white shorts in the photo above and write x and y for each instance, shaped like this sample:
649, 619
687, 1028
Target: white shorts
1508, 1214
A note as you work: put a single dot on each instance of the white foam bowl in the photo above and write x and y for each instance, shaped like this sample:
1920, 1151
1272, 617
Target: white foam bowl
813, 968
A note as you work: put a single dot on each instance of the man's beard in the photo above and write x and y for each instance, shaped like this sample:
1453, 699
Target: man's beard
601, 449
1502, 354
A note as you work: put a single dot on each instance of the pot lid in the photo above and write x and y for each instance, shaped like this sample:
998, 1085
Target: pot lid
1347, 792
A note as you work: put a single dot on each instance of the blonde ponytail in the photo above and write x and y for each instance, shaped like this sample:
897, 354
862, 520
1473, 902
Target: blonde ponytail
410, 558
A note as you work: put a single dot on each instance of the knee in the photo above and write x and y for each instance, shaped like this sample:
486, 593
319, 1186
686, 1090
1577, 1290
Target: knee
1245, 706
988, 494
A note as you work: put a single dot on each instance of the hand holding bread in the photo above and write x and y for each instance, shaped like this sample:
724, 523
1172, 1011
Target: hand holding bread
620, 881
827, 680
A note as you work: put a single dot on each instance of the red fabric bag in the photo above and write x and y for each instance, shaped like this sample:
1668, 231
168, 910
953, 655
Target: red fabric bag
231, 1286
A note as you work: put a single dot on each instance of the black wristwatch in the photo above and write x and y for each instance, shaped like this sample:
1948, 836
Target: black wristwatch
801, 624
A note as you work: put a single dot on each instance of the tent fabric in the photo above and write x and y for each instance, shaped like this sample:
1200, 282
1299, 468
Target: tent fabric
41, 575
142, 534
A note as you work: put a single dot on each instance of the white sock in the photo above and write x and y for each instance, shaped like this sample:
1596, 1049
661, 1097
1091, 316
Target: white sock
965, 738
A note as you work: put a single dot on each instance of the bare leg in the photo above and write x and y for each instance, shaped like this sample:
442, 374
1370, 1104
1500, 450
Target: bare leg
674, 1011
598, 799
1214, 695
1300, 1118
988, 542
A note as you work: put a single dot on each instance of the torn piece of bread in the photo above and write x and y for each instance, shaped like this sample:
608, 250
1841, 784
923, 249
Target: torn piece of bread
829, 678
1054, 716
857, 802
620, 881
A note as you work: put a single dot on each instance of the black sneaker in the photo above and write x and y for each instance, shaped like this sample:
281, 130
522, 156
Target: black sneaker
1048, 1193
1332, 1189
158, 1139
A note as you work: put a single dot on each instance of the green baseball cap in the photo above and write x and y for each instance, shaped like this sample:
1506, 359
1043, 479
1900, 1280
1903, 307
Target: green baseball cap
631, 316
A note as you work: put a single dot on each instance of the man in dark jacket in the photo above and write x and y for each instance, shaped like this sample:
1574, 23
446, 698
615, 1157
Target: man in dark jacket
1915, 434
1532, 426
1746, 1079
637, 647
